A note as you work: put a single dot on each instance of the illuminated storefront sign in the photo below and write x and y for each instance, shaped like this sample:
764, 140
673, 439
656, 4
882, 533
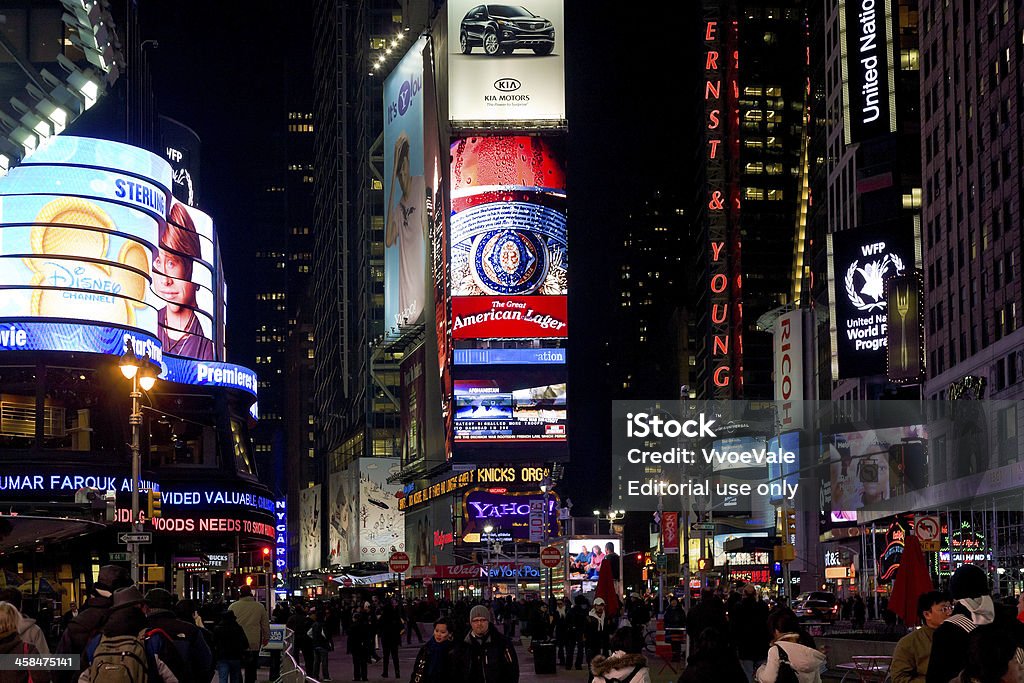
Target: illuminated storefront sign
511, 475
212, 525
69, 482
866, 59
281, 540
441, 539
507, 513
721, 95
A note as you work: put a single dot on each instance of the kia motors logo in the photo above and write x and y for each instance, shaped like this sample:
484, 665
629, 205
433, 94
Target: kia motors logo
507, 85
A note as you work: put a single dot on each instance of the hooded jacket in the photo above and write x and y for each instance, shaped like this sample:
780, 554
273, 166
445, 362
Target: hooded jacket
806, 661
619, 666
30, 633
11, 644
490, 659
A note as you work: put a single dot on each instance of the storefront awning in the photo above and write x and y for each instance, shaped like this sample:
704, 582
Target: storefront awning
17, 531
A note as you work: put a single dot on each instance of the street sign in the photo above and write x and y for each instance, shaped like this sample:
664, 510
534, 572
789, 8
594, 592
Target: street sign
399, 562
662, 562
120, 557
550, 557
427, 581
346, 582
927, 528
136, 537
702, 526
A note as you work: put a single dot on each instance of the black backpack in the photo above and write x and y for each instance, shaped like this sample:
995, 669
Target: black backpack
787, 674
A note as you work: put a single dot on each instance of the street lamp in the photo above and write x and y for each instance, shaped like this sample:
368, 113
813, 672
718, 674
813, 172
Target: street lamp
487, 530
142, 373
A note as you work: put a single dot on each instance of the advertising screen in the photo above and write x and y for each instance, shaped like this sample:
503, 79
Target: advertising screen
508, 255
586, 556
904, 297
76, 258
342, 536
866, 59
309, 529
506, 62
861, 260
183, 283
785, 471
406, 217
866, 467
508, 513
69, 149
517, 404
181, 147
413, 372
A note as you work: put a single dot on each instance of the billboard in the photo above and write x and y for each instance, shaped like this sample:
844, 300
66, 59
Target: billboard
511, 404
586, 556
414, 414
506, 62
788, 358
181, 148
343, 541
507, 512
869, 466
861, 260
786, 472
309, 529
183, 283
508, 227
378, 523
904, 297
406, 216
866, 59
527, 317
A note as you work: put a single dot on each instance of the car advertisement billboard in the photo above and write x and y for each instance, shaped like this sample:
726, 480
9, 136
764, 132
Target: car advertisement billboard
183, 283
510, 404
861, 260
508, 513
506, 62
406, 218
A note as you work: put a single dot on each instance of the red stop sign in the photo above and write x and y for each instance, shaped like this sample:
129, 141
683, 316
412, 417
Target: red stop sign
399, 563
346, 582
427, 581
550, 557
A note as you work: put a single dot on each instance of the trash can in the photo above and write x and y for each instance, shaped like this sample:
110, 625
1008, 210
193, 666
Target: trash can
544, 657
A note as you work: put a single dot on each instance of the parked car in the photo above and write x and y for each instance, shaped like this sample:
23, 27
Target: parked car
816, 606
500, 29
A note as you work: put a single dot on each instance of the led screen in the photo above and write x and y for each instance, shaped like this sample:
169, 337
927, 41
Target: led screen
868, 467
586, 556
508, 253
506, 62
512, 404
68, 149
508, 513
784, 472
406, 216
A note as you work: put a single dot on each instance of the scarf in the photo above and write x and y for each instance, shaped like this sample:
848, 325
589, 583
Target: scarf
436, 653
982, 610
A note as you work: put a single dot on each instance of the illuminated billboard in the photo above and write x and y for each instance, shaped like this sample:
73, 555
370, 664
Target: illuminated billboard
870, 466
510, 404
586, 556
183, 283
860, 262
309, 529
905, 343
786, 472
364, 521
506, 62
866, 59
507, 512
406, 218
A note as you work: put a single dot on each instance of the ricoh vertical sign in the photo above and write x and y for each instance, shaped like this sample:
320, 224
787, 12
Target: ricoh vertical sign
869, 84
721, 94
788, 340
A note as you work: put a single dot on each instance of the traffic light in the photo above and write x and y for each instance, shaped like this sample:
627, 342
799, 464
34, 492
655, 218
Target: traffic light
153, 502
639, 557
789, 525
267, 561
705, 563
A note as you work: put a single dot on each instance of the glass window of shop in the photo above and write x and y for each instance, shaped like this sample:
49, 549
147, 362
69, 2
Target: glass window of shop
181, 430
240, 444
77, 414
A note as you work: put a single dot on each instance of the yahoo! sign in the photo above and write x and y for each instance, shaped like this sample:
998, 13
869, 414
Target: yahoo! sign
508, 513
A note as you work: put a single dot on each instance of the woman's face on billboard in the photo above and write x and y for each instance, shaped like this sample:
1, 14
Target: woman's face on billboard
169, 273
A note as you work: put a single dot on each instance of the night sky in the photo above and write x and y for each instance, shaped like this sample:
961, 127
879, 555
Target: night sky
630, 75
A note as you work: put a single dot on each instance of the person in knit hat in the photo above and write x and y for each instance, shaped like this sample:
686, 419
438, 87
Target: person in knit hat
973, 607
485, 654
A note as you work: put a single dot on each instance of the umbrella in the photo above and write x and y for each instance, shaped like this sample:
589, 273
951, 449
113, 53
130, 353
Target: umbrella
912, 580
606, 589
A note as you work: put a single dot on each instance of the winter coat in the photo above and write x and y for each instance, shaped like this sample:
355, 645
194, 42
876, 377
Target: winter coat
229, 640
11, 644
30, 633
806, 662
619, 666
83, 627
949, 642
747, 623
597, 637
447, 664
490, 659
713, 666
189, 641
706, 614
253, 619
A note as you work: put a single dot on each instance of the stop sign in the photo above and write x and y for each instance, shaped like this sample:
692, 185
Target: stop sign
399, 562
550, 557
346, 582
427, 581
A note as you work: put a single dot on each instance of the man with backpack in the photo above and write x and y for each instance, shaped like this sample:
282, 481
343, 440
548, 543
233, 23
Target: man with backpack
91, 615
125, 651
188, 639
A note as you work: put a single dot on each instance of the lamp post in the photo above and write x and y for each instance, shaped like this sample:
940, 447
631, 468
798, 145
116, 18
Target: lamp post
545, 487
143, 376
487, 530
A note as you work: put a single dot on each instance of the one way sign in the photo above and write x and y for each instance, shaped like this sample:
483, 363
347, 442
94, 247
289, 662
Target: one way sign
136, 537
